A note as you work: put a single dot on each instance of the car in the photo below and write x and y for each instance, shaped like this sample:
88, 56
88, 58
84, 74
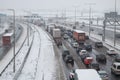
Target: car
71, 76
98, 44
83, 52
103, 74
69, 60
65, 36
117, 35
100, 33
111, 52
88, 47
101, 58
115, 68
95, 66
75, 44
78, 49
88, 61
86, 37
117, 58
84, 56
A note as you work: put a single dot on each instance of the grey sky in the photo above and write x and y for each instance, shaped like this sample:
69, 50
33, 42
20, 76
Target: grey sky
100, 5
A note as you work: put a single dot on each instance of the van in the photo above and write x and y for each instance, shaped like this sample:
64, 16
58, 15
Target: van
115, 69
86, 74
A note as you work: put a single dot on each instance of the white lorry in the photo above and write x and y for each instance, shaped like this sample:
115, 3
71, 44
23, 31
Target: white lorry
86, 74
57, 36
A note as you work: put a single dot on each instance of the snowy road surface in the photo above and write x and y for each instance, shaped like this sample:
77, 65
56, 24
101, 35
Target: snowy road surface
41, 62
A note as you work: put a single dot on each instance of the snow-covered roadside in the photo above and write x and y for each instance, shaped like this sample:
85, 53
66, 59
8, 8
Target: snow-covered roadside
41, 62
46, 68
30, 67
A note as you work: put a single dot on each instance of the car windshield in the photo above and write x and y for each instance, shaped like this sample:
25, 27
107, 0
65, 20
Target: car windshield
112, 50
118, 67
83, 51
99, 43
103, 74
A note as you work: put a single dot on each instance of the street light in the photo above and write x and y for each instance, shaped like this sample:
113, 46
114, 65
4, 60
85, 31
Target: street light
28, 26
75, 14
90, 12
115, 25
14, 39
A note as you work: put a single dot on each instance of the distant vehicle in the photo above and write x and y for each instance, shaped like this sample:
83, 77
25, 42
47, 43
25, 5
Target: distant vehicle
115, 68
117, 35
88, 47
84, 56
86, 74
71, 76
117, 58
95, 66
67, 58
57, 36
79, 36
86, 37
103, 75
101, 58
75, 44
100, 33
111, 52
7, 39
98, 44
83, 52
50, 28
65, 36
88, 61
78, 49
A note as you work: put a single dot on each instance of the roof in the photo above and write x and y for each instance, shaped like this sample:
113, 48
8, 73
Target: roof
87, 74
79, 31
102, 72
8, 34
117, 63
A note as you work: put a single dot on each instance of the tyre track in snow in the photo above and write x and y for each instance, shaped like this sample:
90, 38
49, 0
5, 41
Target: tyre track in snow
30, 61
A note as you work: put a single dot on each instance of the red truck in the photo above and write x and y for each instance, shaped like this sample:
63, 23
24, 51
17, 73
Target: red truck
79, 36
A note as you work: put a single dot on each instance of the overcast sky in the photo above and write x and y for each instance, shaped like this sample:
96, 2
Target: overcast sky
100, 5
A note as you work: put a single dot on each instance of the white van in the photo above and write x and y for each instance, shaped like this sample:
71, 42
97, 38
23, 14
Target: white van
86, 74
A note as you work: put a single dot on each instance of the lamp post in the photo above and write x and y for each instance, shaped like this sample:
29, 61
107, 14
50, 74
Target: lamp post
14, 39
75, 13
115, 25
28, 26
90, 12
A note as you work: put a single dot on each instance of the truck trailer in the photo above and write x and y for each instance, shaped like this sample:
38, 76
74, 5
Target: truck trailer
7, 39
79, 36
57, 36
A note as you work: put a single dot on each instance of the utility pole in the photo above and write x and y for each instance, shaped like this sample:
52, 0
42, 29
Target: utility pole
14, 39
115, 26
89, 19
90, 12
104, 26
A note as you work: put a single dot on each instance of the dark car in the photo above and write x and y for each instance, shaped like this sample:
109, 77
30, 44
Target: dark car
101, 58
98, 44
117, 58
86, 37
84, 56
88, 47
69, 59
78, 50
95, 66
